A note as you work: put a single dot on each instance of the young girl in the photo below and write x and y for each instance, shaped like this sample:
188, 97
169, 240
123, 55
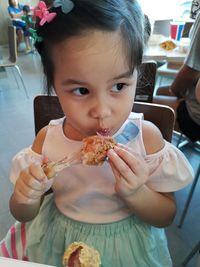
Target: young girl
90, 53
15, 10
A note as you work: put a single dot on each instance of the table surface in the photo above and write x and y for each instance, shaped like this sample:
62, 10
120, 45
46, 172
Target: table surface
154, 52
6, 262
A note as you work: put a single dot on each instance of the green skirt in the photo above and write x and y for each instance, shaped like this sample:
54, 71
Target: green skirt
126, 243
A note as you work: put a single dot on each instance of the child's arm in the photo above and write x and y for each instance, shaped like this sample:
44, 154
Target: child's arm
16, 15
30, 187
197, 91
131, 175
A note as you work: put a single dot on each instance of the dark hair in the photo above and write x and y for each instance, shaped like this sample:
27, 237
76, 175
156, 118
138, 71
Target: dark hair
195, 8
26, 8
147, 28
105, 15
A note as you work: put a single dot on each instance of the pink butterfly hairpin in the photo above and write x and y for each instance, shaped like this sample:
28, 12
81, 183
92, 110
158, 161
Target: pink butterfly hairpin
42, 12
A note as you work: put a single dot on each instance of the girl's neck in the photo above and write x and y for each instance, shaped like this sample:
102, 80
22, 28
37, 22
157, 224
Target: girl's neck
71, 133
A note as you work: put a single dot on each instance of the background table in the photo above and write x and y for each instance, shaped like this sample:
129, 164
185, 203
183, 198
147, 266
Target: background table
154, 52
7, 262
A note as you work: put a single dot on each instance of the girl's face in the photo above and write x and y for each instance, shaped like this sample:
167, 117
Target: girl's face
94, 83
14, 2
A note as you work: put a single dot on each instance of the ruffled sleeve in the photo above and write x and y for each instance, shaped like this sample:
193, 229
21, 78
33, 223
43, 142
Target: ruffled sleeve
22, 160
169, 169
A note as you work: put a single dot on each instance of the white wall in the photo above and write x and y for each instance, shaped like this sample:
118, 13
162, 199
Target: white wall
160, 10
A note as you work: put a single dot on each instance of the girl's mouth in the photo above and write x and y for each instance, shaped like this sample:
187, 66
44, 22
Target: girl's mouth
104, 132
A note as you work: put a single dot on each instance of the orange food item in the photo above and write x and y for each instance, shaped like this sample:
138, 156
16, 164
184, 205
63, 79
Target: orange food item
168, 45
94, 151
78, 254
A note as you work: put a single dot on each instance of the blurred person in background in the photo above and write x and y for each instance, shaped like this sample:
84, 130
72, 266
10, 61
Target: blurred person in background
15, 11
181, 94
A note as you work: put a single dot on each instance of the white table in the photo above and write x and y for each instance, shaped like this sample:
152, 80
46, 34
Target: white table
6, 262
154, 52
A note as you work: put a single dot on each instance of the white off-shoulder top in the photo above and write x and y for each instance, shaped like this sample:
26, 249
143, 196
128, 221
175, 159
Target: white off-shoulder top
87, 193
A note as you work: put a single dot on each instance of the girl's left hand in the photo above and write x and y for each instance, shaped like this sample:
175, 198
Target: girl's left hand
130, 170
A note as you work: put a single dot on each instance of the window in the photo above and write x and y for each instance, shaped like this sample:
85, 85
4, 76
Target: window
170, 9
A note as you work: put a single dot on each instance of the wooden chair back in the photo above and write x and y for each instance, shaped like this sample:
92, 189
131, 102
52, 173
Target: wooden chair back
12, 42
146, 82
47, 108
160, 115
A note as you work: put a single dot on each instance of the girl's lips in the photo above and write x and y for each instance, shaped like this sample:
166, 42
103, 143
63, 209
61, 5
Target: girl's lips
104, 132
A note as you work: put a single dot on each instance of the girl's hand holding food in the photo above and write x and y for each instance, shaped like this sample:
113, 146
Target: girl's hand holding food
31, 185
131, 171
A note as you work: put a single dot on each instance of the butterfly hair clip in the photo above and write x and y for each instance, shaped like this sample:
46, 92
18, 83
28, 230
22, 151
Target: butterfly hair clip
66, 5
43, 13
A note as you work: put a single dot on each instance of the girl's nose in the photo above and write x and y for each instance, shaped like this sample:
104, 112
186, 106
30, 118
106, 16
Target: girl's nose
100, 110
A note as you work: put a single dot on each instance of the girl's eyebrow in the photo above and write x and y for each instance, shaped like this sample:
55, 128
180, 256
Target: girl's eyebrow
126, 74
72, 81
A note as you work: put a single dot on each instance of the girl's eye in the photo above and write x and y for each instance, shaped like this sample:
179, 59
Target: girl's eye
81, 91
118, 87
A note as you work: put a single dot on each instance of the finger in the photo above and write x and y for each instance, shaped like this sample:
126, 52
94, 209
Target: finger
120, 181
115, 172
29, 186
45, 160
25, 195
125, 147
120, 165
135, 162
130, 150
37, 172
29, 181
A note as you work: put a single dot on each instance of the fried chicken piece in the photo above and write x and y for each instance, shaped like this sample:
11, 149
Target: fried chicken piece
78, 254
168, 45
93, 152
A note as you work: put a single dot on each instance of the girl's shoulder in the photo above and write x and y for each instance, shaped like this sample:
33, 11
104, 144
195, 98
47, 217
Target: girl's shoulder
39, 140
152, 137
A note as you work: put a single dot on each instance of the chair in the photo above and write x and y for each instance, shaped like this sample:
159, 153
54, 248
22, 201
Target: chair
187, 28
47, 108
146, 81
189, 198
191, 254
167, 70
162, 116
11, 61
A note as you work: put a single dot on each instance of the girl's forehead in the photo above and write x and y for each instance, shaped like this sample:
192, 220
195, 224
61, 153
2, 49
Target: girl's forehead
92, 43
100, 53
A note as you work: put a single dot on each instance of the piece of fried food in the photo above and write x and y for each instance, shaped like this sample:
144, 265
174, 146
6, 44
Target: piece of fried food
168, 45
78, 254
94, 151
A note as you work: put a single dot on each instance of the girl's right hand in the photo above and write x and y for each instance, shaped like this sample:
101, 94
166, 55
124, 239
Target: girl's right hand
31, 185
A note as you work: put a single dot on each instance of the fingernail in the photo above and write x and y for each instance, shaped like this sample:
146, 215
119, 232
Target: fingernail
116, 148
111, 152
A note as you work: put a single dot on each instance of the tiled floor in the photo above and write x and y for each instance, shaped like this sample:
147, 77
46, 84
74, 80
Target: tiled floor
17, 131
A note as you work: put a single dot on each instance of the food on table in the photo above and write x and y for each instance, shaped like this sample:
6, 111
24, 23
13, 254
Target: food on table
168, 45
93, 152
78, 254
